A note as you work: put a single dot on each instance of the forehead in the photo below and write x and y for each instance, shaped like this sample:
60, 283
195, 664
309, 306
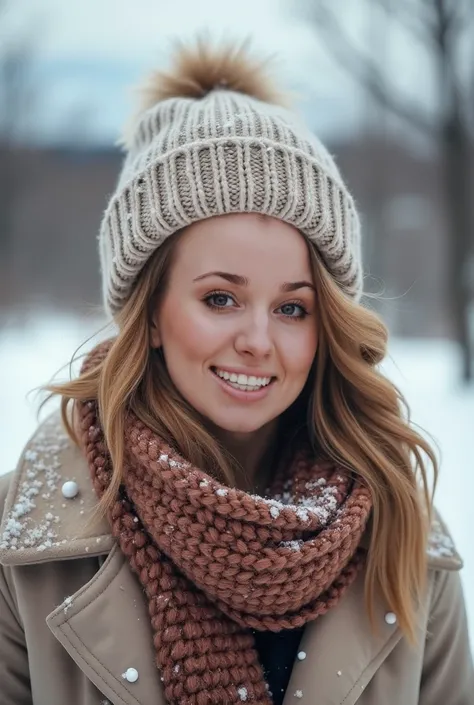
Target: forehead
243, 243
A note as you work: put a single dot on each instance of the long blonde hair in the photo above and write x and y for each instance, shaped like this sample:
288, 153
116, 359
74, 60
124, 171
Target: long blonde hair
355, 415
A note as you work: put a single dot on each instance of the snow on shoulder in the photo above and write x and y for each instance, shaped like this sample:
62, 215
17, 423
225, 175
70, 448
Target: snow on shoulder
41, 522
441, 550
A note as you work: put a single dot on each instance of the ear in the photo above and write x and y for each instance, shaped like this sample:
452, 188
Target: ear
155, 336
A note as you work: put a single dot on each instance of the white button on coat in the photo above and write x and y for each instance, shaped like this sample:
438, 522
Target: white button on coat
391, 618
301, 655
130, 675
70, 489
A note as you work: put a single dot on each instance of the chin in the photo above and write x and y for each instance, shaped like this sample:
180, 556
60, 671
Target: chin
244, 425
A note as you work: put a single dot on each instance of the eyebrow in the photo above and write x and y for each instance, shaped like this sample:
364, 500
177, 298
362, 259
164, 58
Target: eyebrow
239, 280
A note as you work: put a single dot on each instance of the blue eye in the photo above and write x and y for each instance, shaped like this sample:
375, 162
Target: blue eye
293, 310
219, 299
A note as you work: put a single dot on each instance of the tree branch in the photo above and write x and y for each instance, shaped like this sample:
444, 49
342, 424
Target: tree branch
364, 70
456, 13
421, 28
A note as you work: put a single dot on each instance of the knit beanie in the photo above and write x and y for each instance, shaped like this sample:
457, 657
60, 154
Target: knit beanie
213, 138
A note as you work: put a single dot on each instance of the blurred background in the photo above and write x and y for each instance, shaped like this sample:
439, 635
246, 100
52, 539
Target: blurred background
388, 85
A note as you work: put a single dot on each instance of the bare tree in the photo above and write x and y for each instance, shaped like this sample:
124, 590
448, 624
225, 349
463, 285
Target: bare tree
440, 28
16, 99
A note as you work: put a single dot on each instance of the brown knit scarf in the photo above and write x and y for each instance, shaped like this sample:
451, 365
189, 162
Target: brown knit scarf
216, 562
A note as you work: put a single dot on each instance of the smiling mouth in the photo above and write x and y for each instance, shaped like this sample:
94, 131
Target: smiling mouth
244, 383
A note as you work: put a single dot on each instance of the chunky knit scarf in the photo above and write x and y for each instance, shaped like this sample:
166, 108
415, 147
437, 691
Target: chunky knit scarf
216, 562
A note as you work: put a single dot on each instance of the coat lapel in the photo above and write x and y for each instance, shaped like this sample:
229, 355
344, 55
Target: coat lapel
342, 652
105, 628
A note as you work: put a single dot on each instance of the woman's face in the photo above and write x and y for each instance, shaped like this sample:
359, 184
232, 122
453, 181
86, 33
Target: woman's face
237, 323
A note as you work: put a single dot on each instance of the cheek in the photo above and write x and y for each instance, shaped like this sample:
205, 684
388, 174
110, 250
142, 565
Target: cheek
299, 349
189, 332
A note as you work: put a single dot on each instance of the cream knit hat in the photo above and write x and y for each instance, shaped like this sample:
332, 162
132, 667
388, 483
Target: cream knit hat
211, 140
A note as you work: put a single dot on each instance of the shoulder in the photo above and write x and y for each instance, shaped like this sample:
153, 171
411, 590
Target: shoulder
441, 550
448, 672
38, 522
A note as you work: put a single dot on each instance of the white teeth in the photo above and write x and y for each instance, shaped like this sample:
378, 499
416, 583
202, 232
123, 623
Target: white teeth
244, 382
244, 387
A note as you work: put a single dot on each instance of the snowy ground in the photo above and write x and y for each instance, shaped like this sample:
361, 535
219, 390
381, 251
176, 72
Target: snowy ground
427, 372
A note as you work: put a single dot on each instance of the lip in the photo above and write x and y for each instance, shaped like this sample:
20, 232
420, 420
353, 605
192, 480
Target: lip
239, 394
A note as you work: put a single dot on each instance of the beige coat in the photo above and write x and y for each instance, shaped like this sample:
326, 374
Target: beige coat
73, 617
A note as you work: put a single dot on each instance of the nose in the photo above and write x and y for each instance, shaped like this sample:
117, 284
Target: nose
254, 337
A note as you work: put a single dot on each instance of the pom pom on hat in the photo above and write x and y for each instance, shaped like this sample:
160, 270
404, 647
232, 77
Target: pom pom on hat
203, 66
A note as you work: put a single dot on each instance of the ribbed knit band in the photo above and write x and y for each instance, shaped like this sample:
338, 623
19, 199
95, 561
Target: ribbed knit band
224, 153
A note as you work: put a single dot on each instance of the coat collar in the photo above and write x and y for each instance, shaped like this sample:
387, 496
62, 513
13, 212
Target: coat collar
39, 523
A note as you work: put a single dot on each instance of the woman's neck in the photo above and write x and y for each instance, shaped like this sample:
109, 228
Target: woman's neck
254, 453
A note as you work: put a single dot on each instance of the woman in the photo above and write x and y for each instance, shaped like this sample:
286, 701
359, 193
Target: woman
246, 505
